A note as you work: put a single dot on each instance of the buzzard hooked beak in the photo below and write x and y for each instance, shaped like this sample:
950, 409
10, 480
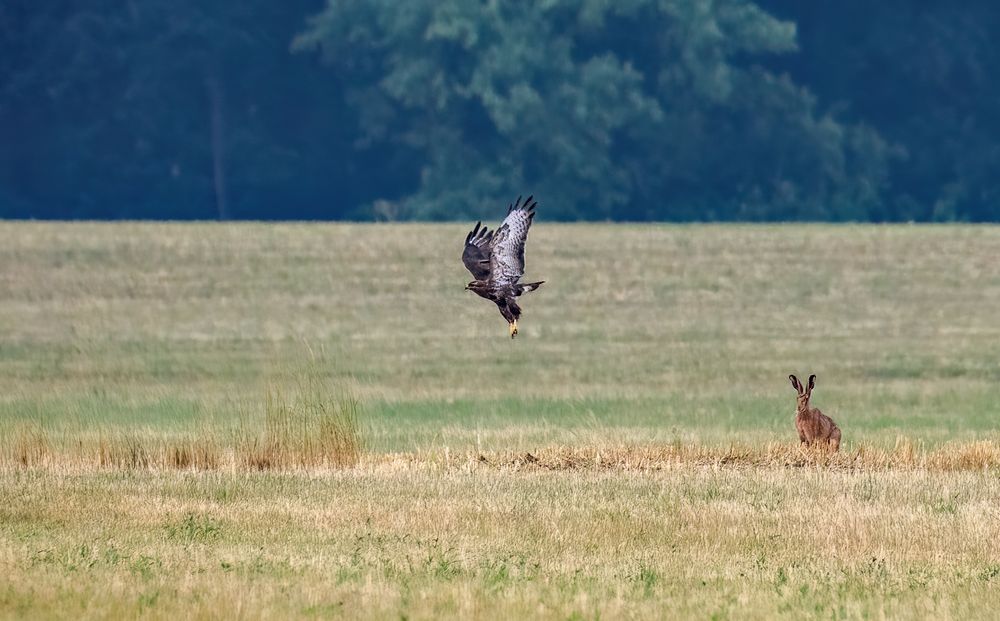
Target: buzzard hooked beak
513, 328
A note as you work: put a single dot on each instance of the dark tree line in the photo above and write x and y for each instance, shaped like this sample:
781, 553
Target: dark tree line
438, 109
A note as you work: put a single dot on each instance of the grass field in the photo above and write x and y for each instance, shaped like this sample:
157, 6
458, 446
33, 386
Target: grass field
631, 453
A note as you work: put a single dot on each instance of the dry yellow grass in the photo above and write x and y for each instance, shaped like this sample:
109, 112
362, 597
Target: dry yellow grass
316, 426
973, 456
424, 539
293, 444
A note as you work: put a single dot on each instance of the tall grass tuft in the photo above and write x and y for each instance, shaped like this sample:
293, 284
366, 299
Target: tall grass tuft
315, 425
123, 451
28, 446
201, 452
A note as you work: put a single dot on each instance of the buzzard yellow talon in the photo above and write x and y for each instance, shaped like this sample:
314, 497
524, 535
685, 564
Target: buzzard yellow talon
513, 329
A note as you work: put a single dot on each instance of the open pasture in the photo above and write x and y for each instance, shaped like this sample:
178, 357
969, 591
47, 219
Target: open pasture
631, 453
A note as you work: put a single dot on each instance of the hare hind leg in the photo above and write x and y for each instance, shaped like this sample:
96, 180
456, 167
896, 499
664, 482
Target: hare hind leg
835, 439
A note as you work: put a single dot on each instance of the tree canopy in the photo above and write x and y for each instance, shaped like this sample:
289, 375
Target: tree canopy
637, 110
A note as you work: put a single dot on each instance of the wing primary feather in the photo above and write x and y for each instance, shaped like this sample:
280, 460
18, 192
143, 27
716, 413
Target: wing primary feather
473, 233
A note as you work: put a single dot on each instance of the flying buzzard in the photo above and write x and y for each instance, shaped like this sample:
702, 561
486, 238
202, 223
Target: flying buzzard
496, 260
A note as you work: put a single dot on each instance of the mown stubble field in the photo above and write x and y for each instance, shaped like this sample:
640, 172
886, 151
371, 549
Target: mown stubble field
631, 453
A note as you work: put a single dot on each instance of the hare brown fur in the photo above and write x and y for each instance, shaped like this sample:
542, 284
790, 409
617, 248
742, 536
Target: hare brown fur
813, 425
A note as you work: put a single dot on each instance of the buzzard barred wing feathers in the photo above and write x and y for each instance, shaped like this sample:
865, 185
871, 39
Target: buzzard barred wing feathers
507, 256
476, 255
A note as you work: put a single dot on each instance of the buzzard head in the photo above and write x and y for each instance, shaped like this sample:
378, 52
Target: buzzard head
479, 286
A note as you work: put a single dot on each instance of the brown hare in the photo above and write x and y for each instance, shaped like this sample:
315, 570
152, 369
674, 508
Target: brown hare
813, 425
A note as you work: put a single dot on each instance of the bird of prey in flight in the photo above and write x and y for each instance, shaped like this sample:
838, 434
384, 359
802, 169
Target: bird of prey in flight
496, 260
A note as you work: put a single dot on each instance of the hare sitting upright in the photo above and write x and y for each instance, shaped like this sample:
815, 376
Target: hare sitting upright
813, 425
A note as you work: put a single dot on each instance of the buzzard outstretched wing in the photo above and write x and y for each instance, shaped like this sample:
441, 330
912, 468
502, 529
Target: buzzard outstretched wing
507, 256
476, 255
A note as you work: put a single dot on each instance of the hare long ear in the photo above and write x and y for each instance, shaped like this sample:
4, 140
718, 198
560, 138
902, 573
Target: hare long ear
812, 383
795, 383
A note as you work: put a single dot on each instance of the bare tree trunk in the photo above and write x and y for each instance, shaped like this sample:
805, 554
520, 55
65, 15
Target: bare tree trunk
218, 147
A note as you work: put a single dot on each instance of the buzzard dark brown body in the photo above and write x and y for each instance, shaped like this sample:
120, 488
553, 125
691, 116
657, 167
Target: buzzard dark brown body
504, 297
496, 261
